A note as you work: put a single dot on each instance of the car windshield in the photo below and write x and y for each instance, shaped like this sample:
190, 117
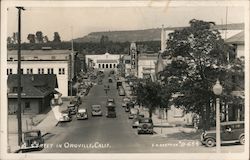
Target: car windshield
145, 120
31, 134
96, 108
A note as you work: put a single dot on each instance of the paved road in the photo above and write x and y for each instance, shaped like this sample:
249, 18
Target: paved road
113, 135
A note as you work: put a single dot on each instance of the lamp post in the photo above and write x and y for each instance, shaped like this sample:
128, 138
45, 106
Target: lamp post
217, 89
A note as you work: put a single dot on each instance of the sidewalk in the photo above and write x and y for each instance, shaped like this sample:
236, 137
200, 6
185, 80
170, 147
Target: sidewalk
164, 129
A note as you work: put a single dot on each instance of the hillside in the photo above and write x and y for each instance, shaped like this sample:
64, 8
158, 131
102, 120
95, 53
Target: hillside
143, 35
123, 36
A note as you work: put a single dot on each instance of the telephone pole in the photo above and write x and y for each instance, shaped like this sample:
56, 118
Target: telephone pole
19, 110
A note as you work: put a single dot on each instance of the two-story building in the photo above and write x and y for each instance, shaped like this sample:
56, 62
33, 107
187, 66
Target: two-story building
45, 61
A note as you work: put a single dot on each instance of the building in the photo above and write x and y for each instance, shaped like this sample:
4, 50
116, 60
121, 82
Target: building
37, 90
235, 111
146, 65
103, 62
45, 61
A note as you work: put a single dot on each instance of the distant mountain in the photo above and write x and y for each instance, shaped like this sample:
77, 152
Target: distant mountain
143, 35
124, 36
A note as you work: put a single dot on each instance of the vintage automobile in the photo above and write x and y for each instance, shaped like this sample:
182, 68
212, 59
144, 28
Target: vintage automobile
145, 126
133, 112
65, 116
111, 113
96, 110
135, 122
82, 114
72, 108
231, 132
32, 140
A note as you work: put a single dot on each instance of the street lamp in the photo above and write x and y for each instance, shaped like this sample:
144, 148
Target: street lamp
217, 89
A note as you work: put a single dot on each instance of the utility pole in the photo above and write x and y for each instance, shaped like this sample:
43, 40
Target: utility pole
19, 110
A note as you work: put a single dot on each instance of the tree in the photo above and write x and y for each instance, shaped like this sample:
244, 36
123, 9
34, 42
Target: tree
199, 57
152, 95
39, 36
31, 38
45, 39
57, 37
9, 40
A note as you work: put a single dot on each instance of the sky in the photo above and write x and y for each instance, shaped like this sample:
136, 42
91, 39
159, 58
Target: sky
78, 22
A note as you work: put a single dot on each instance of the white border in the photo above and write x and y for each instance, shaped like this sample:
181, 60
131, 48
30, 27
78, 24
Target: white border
193, 156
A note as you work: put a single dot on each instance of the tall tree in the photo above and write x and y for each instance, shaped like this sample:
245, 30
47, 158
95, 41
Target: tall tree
31, 38
57, 37
39, 36
152, 95
199, 57
45, 39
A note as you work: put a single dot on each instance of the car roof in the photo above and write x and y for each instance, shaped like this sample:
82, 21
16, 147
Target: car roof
82, 110
34, 130
232, 122
96, 105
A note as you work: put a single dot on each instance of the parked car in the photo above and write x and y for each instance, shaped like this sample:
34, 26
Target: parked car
72, 108
32, 140
111, 113
133, 112
135, 122
96, 110
82, 114
65, 116
231, 132
145, 126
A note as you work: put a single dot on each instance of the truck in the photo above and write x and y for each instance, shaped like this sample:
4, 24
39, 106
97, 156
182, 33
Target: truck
118, 84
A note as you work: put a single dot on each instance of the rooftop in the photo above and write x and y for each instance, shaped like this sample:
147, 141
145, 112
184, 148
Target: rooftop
33, 85
236, 39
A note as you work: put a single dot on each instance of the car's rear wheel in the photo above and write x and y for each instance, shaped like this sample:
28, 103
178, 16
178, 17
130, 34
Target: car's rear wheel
242, 139
210, 142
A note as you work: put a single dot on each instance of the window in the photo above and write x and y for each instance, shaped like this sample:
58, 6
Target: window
110, 66
102, 65
40, 71
107, 65
50, 71
21, 70
29, 71
61, 71
99, 66
9, 71
27, 105
114, 65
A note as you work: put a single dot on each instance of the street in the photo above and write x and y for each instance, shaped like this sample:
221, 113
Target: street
114, 135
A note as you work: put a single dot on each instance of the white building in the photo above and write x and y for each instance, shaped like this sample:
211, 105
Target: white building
103, 61
146, 65
43, 62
